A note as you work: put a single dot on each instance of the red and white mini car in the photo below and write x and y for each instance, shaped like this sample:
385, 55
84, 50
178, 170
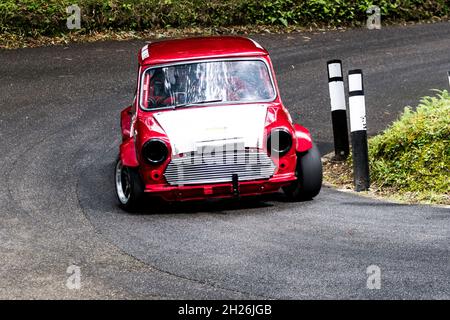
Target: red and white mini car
207, 121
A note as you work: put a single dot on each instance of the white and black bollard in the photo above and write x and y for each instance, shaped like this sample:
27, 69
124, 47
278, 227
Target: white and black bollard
448, 74
338, 109
357, 109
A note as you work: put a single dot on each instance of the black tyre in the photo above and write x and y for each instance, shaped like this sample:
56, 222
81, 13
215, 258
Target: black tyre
129, 186
309, 176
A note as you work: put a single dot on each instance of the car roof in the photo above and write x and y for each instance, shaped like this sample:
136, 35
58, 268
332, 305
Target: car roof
176, 50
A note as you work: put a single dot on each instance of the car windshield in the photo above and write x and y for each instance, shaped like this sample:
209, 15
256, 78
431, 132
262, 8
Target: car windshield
206, 82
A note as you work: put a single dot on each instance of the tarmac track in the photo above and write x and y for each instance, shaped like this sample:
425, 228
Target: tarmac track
59, 138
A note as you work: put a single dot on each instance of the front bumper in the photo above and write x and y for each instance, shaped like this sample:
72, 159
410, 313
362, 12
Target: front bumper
219, 190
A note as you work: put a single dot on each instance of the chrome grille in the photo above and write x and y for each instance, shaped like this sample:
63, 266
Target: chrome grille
198, 168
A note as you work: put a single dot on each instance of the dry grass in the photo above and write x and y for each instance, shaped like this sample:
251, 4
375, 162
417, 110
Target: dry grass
15, 41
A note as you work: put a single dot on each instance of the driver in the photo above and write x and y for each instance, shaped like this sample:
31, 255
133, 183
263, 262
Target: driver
159, 89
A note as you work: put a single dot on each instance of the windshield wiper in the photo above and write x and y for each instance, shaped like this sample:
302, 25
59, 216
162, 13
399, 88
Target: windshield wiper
182, 105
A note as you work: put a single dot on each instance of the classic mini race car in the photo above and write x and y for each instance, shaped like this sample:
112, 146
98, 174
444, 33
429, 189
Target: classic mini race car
207, 121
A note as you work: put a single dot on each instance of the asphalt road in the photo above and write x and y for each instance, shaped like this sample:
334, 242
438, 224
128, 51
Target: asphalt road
59, 128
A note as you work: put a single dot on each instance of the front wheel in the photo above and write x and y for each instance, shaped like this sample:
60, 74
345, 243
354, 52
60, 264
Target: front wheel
129, 187
309, 176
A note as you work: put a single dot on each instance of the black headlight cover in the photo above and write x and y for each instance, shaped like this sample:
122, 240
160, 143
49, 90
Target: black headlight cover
155, 151
279, 142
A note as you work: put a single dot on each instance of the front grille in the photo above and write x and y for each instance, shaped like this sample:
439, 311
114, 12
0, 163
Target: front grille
198, 168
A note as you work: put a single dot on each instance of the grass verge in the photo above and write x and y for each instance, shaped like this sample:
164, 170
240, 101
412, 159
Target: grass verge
32, 22
15, 41
410, 160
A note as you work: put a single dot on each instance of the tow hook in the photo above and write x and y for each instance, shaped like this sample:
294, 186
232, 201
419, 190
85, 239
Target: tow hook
235, 181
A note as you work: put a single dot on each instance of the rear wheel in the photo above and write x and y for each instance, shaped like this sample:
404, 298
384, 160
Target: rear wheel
129, 187
309, 176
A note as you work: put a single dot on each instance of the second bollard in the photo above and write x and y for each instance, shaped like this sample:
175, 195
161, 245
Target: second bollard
358, 128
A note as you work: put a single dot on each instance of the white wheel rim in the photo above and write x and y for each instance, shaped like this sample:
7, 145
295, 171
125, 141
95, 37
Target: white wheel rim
123, 187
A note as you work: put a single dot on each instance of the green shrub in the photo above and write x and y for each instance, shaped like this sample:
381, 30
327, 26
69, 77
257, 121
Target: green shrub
413, 154
39, 17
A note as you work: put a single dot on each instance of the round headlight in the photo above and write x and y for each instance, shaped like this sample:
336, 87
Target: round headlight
279, 142
155, 151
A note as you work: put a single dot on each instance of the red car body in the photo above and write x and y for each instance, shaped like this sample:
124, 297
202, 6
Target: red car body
139, 126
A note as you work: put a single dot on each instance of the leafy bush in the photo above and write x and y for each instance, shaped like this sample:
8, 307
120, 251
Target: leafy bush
413, 154
48, 17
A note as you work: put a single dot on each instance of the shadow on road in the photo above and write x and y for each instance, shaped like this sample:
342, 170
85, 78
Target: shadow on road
152, 205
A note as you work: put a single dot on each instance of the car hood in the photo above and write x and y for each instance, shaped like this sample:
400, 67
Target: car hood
193, 128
